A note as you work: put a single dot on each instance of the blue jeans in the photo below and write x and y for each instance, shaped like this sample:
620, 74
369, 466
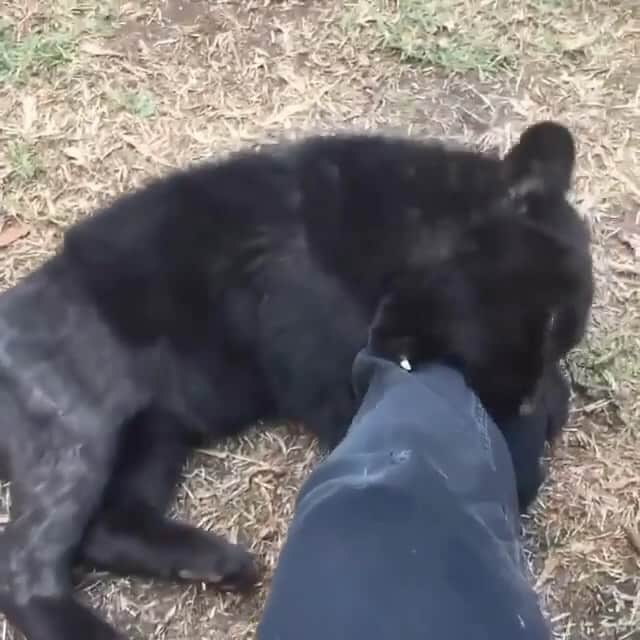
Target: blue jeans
410, 528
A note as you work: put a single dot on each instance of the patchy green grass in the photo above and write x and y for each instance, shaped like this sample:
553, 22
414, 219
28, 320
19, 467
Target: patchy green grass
140, 103
33, 54
426, 32
23, 160
608, 366
51, 36
483, 36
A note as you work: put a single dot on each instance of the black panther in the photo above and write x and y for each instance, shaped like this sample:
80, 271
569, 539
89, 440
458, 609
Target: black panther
241, 289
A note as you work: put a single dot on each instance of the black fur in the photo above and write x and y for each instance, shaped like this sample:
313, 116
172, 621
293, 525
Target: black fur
242, 290
527, 436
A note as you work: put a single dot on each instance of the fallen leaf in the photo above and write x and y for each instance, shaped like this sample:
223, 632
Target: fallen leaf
11, 234
578, 43
633, 535
632, 240
29, 112
74, 153
551, 564
95, 49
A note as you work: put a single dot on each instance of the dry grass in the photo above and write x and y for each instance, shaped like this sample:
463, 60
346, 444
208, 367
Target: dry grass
96, 97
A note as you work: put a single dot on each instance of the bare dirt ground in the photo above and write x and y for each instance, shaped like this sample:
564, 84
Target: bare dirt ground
96, 97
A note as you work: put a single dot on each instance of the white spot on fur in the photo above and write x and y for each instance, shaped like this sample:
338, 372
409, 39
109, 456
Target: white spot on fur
528, 407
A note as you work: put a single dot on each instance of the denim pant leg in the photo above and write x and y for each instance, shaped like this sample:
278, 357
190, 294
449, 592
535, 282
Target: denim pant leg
409, 529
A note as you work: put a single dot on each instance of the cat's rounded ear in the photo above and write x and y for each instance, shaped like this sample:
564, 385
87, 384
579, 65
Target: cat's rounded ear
542, 160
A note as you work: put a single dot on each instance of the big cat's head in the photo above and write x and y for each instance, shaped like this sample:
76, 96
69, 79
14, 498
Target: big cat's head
513, 290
